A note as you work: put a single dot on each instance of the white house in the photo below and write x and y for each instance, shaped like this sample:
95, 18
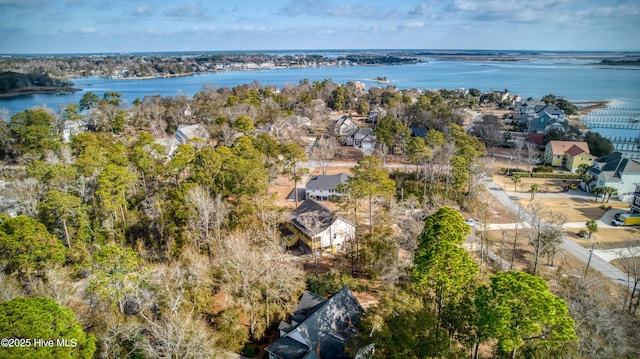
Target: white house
183, 135
324, 187
314, 227
615, 170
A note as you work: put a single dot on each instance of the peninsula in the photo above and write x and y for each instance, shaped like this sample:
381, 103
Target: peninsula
18, 84
127, 66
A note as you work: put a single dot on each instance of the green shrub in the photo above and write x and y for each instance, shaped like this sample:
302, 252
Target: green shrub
543, 169
556, 175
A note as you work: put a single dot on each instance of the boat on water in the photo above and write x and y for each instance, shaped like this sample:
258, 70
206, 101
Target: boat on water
382, 79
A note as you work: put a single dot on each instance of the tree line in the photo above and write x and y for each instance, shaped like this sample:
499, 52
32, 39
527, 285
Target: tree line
131, 66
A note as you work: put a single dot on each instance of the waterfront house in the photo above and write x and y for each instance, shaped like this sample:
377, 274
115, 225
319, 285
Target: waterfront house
617, 171
557, 154
577, 156
525, 110
314, 227
325, 187
318, 328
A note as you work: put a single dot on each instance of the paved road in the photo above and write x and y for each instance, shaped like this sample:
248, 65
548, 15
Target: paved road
597, 263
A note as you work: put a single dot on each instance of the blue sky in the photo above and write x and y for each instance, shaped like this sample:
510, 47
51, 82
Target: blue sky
88, 26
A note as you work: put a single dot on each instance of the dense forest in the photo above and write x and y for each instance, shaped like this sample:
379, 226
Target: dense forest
17, 83
136, 66
136, 251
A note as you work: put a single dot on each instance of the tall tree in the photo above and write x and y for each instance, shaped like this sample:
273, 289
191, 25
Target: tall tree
292, 155
26, 320
116, 275
518, 308
440, 262
32, 131
64, 214
598, 145
27, 246
371, 179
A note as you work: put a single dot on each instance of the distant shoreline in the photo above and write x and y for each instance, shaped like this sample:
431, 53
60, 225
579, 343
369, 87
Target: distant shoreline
39, 91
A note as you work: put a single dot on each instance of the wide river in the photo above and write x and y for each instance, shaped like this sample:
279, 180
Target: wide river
574, 78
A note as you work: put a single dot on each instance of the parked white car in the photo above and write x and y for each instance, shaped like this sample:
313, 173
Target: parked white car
471, 222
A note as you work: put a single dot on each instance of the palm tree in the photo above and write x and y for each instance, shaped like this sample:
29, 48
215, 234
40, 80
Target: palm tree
608, 192
592, 226
533, 190
515, 179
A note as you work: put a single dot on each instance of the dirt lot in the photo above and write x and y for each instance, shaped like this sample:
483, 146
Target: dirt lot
577, 209
607, 238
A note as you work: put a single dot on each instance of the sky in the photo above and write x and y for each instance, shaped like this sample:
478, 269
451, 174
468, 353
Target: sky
101, 26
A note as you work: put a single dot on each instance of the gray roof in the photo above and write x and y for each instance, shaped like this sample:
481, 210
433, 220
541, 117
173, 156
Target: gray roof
312, 218
615, 165
327, 181
324, 328
549, 109
366, 131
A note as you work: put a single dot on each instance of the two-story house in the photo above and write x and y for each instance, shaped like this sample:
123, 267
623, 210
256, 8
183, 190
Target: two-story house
568, 154
617, 171
363, 137
325, 187
314, 228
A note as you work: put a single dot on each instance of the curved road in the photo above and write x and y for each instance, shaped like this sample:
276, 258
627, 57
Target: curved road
597, 263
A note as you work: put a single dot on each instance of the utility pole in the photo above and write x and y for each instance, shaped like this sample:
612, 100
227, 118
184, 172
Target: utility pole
589, 261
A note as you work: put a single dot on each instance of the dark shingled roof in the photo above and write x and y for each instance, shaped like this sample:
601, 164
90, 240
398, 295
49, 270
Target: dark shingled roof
312, 218
616, 165
323, 329
327, 181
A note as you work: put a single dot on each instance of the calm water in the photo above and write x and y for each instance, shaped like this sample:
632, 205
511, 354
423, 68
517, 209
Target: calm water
574, 78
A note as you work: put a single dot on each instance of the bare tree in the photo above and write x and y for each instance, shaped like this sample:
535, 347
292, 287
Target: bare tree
532, 153
210, 215
323, 151
545, 234
259, 278
630, 258
27, 193
177, 335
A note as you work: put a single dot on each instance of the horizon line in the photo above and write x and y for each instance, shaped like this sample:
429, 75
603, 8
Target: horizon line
390, 50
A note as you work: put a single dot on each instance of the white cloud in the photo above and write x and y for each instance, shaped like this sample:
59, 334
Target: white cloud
188, 9
88, 30
410, 25
144, 10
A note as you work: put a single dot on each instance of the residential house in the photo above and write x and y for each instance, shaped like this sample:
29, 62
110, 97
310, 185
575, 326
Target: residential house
525, 110
556, 153
314, 227
72, 128
635, 203
577, 156
325, 187
319, 327
183, 135
544, 118
617, 171
376, 115
363, 137
344, 126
